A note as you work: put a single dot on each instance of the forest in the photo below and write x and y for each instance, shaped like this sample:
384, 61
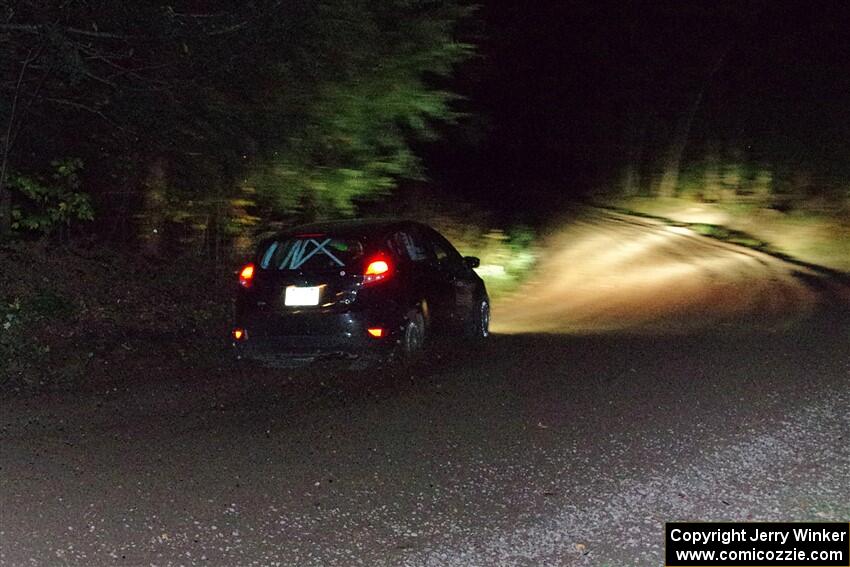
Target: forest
157, 123
145, 146
131, 119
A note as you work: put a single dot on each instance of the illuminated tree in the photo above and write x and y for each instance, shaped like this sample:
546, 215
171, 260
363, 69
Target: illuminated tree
297, 99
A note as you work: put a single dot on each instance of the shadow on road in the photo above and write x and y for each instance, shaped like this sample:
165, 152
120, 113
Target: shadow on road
588, 367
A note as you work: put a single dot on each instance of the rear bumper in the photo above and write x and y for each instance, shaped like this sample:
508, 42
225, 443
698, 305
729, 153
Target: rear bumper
316, 334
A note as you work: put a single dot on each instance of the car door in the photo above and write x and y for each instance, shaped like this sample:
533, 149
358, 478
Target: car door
455, 277
428, 280
416, 269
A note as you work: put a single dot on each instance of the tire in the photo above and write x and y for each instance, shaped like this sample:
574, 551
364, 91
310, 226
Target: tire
412, 342
478, 326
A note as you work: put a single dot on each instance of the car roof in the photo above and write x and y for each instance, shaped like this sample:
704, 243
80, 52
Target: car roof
352, 227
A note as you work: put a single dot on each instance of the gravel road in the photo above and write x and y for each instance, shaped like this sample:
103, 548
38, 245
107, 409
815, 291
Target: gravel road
612, 272
564, 448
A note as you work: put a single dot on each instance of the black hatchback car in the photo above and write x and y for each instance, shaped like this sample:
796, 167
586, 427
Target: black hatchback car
365, 287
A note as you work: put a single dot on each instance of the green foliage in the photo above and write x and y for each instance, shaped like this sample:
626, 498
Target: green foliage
731, 179
727, 234
18, 348
306, 102
48, 304
11, 342
51, 204
352, 137
507, 256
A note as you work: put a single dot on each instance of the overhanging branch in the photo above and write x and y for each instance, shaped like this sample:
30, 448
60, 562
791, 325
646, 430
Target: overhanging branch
37, 29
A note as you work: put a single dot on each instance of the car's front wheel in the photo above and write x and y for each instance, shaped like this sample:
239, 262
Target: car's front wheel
478, 327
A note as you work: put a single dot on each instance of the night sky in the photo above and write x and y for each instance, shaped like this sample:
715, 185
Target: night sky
559, 91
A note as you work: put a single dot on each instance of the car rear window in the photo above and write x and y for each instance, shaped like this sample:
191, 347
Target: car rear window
310, 253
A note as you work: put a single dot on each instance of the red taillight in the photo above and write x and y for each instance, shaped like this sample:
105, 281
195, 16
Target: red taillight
376, 332
239, 334
377, 270
246, 276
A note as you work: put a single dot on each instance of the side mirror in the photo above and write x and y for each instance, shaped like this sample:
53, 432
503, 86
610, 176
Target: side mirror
471, 261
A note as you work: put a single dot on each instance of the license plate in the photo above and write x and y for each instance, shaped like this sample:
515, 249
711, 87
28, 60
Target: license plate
296, 295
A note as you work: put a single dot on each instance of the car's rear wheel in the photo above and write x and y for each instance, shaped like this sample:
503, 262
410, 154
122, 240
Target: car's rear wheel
412, 341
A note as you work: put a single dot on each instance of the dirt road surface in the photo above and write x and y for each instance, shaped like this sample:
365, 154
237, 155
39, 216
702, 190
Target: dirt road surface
568, 440
613, 272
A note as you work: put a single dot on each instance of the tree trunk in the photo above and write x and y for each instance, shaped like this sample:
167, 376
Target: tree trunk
630, 179
151, 219
5, 209
673, 161
5, 150
13, 123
